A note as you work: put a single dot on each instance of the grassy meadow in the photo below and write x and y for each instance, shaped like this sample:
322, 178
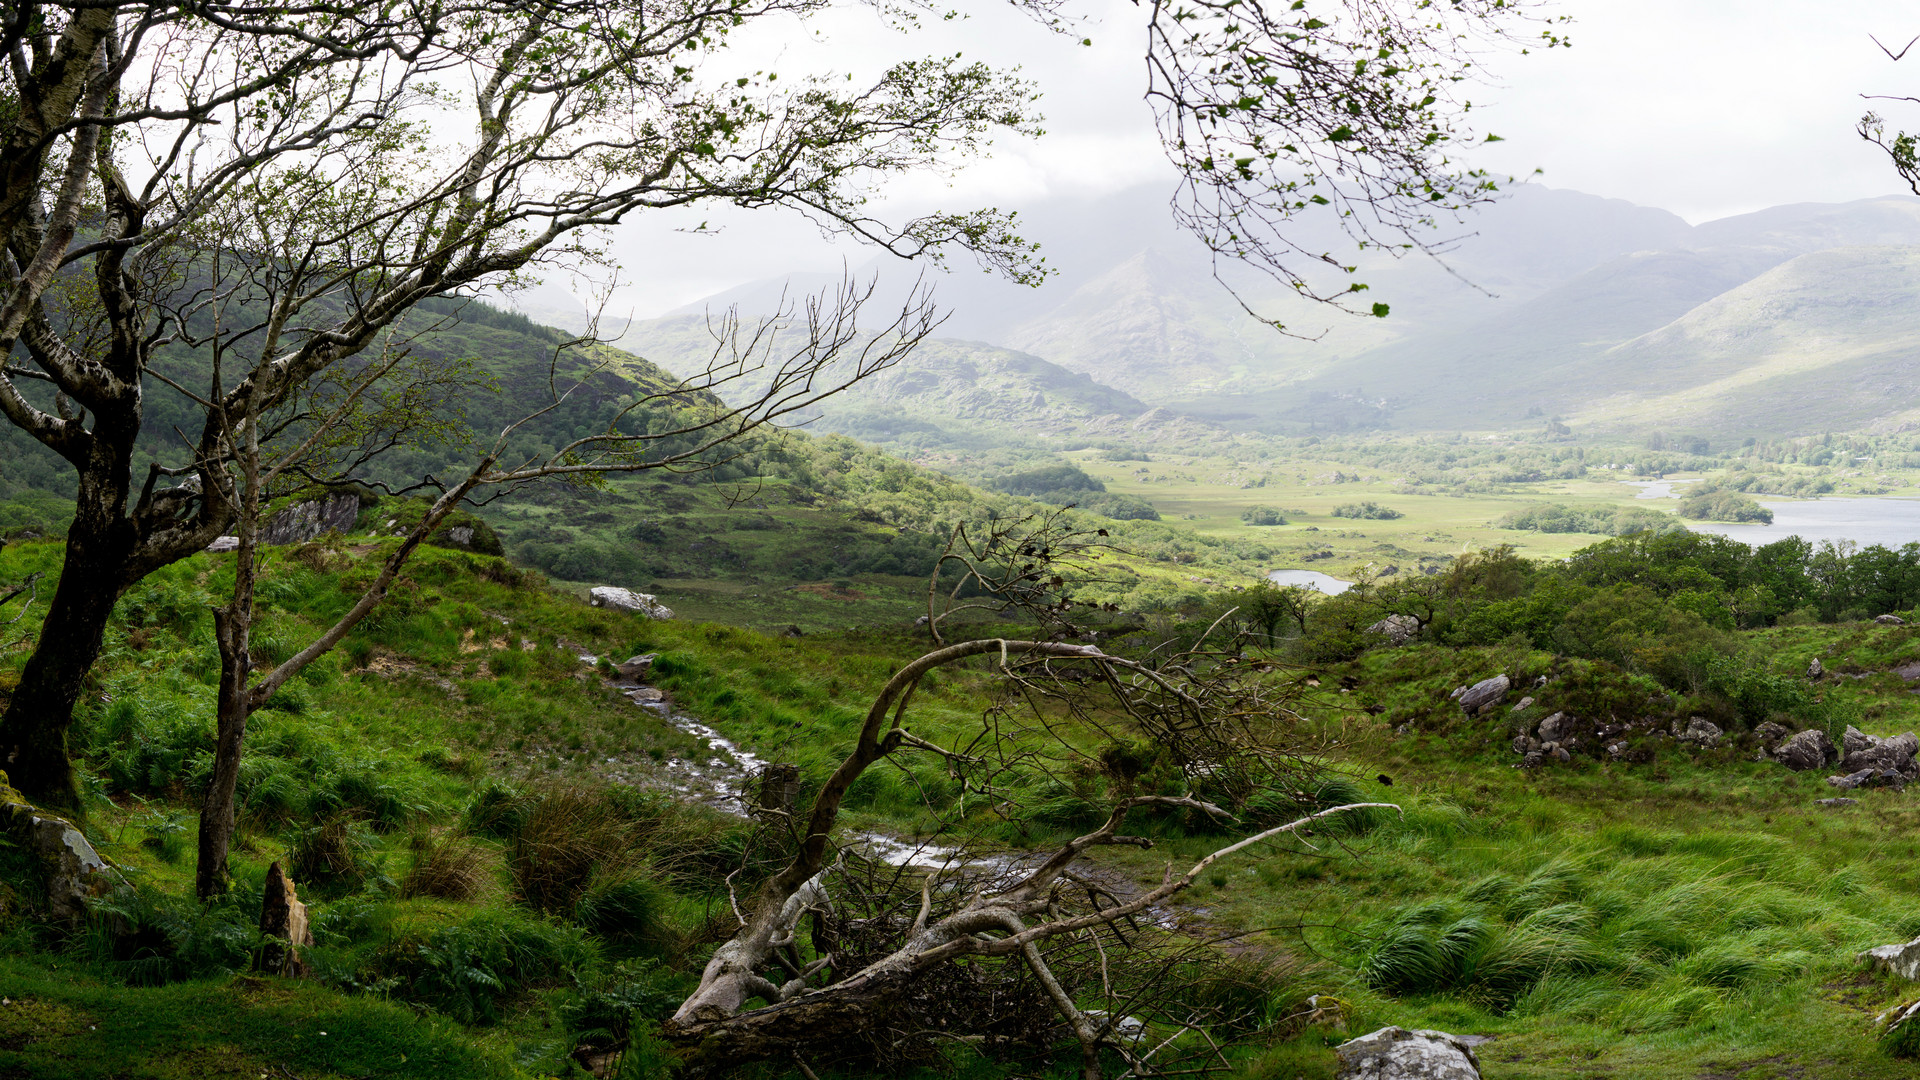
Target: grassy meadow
510, 870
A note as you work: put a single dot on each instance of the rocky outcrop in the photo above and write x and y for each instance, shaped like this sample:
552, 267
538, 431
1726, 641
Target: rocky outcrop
1397, 629
311, 519
73, 872
1889, 620
1699, 731
647, 604
1807, 751
1484, 693
1394, 1053
1901, 960
1863, 752
223, 544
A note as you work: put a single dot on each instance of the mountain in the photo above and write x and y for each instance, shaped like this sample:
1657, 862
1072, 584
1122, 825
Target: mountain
1617, 317
1697, 334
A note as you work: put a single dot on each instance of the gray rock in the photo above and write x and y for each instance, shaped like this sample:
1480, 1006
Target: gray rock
1394, 1053
647, 604
1805, 752
1863, 751
1702, 731
1616, 749
1520, 744
1889, 620
1554, 728
1397, 629
223, 544
635, 668
1561, 755
1457, 691
311, 519
1525, 703
1770, 732
1485, 692
645, 694
1851, 781
1901, 960
1816, 669
74, 872
1533, 760
1539, 682
1836, 803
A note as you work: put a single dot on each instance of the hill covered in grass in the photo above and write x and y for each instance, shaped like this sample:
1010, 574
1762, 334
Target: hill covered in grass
514, 872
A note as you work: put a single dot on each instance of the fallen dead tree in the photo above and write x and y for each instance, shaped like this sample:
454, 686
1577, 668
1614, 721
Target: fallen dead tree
1029, 952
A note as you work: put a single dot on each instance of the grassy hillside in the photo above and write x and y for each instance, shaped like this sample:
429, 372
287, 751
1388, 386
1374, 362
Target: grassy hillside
1667, 912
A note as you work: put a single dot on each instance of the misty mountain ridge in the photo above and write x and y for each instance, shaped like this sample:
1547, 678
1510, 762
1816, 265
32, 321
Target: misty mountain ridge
1790, 320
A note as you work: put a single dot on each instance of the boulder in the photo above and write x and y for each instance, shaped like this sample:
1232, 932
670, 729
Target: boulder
1770, 732
1835, 804
1806, 751
1525, 704
635, 668
73, 871
1901, 960
1485, 692
223, 544
1394, 1053
283, 920
1397, 629
310, 519
1869, 778
1457, 691
1889, 620
1702, 731
1863, 751
647, 604
1556, 728
1816, 669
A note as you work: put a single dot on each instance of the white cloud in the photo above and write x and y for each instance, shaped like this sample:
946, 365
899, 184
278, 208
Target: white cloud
1703, 107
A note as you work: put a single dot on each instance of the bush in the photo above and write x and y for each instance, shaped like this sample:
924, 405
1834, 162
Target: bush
1367, 511
1262, 515
469, 970
336, 852
447, 868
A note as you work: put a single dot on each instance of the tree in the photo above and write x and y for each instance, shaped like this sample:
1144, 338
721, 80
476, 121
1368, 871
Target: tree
373, 158
394, 155
1272, 112
682, 425
1195, 732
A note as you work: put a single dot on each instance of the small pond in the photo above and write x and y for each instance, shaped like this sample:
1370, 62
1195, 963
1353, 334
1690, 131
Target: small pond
1312, 579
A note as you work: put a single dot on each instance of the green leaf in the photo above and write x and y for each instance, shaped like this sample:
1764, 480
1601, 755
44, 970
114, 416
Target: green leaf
1380, 311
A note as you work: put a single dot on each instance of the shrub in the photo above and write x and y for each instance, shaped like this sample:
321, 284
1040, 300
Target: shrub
1368, 511
497, 810
469, 970
335, 852
1262, 515
448, 868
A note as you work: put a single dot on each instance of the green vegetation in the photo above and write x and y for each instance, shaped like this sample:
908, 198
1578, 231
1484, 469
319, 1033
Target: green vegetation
1367, 511
1606, 521
1262, 515
470, 818
1712, 502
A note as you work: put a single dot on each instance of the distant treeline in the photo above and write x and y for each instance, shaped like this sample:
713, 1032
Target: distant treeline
1663, 604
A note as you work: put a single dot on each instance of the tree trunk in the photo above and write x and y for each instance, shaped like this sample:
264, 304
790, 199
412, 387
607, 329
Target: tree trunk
33, 733
230, 731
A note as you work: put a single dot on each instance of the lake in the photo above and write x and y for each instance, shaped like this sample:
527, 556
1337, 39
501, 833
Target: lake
1888, 522
1312, 579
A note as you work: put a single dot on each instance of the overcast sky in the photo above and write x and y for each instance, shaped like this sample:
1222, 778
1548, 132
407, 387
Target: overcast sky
1703, 107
